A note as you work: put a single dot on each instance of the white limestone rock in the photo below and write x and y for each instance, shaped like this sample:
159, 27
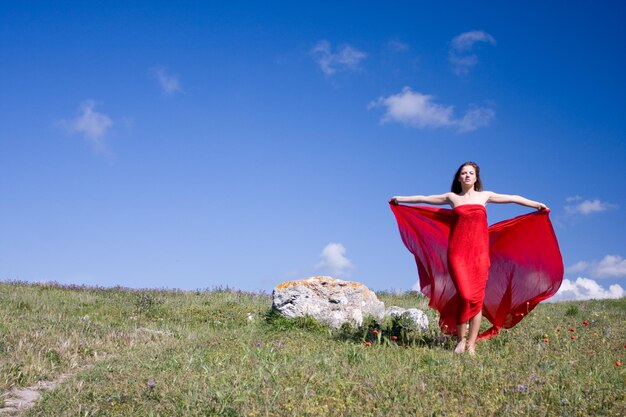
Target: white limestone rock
328, 300
415, 316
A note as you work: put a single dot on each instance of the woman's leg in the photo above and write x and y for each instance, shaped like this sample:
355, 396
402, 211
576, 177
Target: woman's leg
460, 332
473, 333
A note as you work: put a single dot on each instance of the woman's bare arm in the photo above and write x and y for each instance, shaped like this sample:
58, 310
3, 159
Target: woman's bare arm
508, 198
428, 199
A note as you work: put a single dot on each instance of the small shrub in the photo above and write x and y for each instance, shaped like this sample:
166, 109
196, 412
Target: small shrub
54, 356
572, 311
23, 306
355, 356
147, 304
13, 374
280, 322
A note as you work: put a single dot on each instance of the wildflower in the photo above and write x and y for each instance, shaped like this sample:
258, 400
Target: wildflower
624, 346
618, 363
150, 384
394, 337
368, 344
519, 388
558, 329
572, 337
258, 344
570, 329
585, 323
375, 331
545, 339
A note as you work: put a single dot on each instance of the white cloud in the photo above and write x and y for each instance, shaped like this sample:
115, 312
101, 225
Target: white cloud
333, 259
577, 267
465, 41
573, 198
475, 118
415, 109
611, 266
460, 55
586, 289
345, 57
587, 207
169, 83
396, 45
91, 124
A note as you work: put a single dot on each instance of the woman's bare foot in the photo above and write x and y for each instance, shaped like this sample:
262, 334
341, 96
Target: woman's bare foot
460, 347
471, 350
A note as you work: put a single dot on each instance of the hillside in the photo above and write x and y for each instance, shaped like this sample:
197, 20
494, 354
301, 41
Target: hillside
121, 352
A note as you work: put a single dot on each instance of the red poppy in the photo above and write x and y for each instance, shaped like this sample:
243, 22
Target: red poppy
572, 337
558, 329
618, 363
375, 331
545, 339
368, 344
570, 329
396, 338
585, 323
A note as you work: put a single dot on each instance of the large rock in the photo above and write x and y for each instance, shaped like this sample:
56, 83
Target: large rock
329, 300
415, 317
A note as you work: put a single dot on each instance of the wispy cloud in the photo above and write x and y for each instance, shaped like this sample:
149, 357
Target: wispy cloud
573, 198
460, 53
344, 57
611, 266
396, 45
586, 207
586, 289
169, 83
577, 267
415, 109
90, 124
474, 118
334, 260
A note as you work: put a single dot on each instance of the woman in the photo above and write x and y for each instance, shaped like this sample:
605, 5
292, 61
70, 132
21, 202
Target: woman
468, 253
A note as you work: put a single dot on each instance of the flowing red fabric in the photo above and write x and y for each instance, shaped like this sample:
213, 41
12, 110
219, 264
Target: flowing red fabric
522, 258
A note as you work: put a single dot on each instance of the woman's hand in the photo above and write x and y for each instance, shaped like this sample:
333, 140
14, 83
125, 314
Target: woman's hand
541, 206
394, 201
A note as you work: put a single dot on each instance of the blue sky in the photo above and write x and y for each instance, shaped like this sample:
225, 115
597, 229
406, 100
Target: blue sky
202, 144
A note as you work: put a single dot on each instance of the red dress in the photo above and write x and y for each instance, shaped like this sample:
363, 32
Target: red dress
464, 266
468, 258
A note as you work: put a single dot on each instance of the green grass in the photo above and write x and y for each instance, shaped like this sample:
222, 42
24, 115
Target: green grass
173, 353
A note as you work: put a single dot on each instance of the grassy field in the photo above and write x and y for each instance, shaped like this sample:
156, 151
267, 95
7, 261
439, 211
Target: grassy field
220, 352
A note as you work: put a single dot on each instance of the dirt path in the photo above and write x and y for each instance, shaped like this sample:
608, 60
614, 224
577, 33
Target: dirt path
18, 400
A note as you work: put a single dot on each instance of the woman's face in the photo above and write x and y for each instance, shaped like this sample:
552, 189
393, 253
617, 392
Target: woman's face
467, 177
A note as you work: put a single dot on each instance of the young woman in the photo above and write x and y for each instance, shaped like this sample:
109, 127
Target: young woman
468, 253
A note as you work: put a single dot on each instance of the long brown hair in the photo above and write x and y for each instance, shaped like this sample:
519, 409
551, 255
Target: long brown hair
456, 184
